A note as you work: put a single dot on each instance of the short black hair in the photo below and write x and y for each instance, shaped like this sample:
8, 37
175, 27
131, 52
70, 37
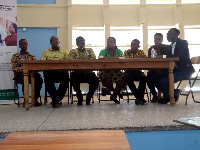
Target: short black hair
52, 38
176, 30
79, 40
113, 39
159, 34
14, 26
136, 40
22, 40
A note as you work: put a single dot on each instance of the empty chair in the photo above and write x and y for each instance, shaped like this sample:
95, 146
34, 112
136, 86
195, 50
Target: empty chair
192, 80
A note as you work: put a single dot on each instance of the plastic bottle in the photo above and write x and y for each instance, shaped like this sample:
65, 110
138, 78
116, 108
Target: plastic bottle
152, 53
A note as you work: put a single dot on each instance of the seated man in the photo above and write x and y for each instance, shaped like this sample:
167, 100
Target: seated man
153, 74
136, 75
109, 77
183, 68
51, 77
78, 77
18, 69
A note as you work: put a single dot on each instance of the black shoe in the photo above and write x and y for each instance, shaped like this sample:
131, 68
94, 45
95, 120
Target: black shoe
79, 103
112, 98
37, 104
163, 101
177, 93
55, 104
140, 101
120, 95
105, 91
154, 99
88, 103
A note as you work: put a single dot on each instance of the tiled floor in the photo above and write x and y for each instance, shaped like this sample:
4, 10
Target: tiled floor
104, 115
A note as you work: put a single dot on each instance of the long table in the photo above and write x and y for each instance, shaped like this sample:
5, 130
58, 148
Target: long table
31, 66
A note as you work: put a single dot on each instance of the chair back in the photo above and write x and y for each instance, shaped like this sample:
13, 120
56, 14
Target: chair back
195, 60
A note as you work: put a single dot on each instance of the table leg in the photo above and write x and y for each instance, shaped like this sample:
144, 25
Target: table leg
32, 88
171, 83
26, 90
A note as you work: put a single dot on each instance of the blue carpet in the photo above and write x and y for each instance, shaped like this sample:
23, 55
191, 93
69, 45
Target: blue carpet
164, 140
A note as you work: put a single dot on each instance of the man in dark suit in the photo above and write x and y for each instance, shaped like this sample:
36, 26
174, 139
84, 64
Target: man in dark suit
183, 68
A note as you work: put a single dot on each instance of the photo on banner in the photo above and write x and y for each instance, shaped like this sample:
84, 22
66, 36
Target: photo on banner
8, 46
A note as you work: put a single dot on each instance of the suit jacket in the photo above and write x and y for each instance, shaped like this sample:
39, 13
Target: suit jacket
184, 64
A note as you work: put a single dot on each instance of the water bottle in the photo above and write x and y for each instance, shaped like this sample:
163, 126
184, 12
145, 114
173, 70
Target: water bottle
153, 53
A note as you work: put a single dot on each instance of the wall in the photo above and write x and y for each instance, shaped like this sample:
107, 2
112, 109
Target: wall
38, 41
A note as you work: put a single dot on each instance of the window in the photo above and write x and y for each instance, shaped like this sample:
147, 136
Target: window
190, 1
87, 2
125, 35
94, 38
192, 36
124, 1
160, 1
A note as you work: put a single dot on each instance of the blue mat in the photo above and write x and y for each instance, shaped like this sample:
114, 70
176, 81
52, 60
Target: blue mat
164, 140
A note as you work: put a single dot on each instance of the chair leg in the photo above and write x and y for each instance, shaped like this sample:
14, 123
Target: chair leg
127, 95
99, 93
147, 94
45, 95
68, 94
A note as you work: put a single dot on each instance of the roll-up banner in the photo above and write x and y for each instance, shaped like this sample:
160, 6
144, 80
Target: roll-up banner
8, 46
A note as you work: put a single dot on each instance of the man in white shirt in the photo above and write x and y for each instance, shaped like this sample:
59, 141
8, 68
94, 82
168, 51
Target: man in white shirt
183, 68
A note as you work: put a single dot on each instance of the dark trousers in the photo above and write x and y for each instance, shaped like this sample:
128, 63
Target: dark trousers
19, 79
136, 75
153, 78
163, 84
51, 77
90, 78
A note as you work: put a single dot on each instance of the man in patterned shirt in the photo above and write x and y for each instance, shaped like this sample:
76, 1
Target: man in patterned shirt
18, 69
51, 77
136, 75
78, 77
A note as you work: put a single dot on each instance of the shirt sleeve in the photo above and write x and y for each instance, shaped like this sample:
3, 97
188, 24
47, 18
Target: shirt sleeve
93, 56
15, 66
120, 53
102, 53
43, 57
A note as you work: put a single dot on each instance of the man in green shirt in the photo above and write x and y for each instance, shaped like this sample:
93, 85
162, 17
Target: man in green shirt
78, 77
51, 77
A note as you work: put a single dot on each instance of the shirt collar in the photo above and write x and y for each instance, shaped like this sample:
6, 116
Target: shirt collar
54, 50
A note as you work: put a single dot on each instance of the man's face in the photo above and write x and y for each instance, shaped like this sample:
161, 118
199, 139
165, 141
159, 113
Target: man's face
134, 45
111, 43
54, 42
158, 40
23, 45
81, 45
172, 36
